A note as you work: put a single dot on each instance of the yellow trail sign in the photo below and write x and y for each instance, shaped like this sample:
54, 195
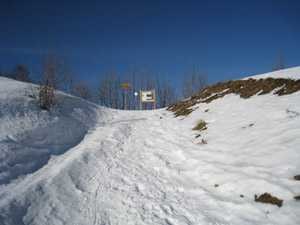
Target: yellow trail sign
126, 87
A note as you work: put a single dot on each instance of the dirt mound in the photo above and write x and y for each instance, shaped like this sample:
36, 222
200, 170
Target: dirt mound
243, 88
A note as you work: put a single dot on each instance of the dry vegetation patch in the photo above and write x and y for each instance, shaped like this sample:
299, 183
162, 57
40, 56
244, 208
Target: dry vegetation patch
267, 198
297, 177
202, 125
243, 88
203, 142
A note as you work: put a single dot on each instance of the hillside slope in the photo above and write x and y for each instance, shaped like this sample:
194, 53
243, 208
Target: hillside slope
150, 167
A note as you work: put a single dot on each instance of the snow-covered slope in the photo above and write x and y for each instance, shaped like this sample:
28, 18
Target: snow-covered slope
291, 73
149, 167
29, 136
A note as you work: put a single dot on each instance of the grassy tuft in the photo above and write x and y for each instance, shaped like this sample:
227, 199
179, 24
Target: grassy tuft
202, 125
204, 142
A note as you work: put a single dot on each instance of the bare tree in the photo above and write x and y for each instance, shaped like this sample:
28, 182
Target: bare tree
101, 93
118, 94
193, 83
109, 92
133, 89
281, 62
82, 89
165, 93
278, 65
21, 73
54, 74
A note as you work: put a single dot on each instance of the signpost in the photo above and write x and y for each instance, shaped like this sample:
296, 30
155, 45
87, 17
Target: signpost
147, 96
126, 86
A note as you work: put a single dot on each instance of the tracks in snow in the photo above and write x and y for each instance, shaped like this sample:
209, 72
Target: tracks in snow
115, 157
121, 173
129, 185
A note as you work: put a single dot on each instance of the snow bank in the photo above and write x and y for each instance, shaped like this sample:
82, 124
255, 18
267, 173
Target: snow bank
30, 136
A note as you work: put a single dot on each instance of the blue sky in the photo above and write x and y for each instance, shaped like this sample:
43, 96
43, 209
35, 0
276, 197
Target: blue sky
226, 39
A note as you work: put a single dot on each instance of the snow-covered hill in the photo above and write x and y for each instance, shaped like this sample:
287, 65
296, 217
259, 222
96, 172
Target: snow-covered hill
85, 164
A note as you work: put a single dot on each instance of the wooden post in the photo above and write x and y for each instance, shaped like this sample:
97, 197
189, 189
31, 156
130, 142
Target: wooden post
154, 98
141, 104
125, 106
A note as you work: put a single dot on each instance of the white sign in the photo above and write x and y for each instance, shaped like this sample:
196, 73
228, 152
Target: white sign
147, 96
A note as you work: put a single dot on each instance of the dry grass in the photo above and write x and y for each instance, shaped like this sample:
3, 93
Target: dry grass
182, 108
202, 125
204, 142
267, 198
297, 177
198, 135
243, 88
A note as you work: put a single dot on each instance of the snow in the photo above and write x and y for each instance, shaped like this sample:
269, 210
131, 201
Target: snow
290, 73
86, 164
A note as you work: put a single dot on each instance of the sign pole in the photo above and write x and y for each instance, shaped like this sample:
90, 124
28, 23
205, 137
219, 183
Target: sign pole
141, 104
125, 98
154, 98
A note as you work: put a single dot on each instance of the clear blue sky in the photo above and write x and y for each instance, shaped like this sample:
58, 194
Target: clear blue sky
227, 39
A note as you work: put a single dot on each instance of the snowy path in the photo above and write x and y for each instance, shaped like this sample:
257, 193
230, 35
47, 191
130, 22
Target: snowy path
129, 184
119, 174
